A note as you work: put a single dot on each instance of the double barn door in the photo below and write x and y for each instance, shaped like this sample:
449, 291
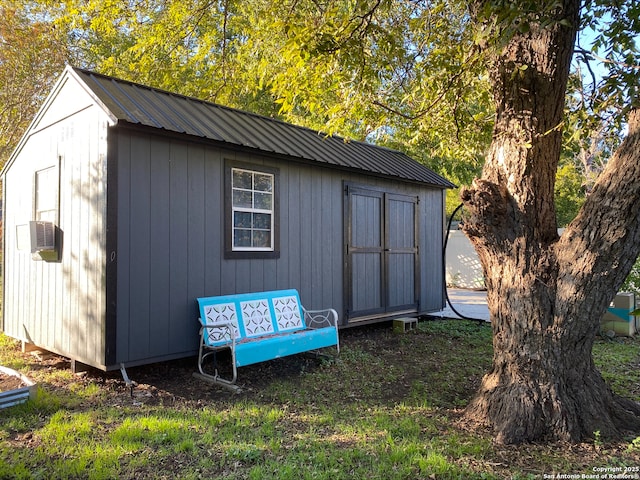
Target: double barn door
381, 247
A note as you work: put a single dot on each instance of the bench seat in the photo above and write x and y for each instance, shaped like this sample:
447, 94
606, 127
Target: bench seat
276, 346
257, 327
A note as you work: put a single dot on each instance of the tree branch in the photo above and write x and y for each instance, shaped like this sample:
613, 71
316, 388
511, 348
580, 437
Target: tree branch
587, 53
446, 89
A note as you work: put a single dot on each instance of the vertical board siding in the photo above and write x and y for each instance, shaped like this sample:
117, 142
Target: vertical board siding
178, 218
305, 234
170, 244
123, 248
196, 241
213, 222
330, 238
431, 224
290, 231
166, 234
178, 254
170, 241
279, 268
316, 235
159, 247
60, 306
140, 261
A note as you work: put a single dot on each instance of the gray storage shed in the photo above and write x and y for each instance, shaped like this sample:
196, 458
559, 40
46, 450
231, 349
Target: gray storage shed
124, 203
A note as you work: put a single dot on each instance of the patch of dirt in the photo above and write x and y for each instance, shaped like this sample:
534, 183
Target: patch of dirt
170, 383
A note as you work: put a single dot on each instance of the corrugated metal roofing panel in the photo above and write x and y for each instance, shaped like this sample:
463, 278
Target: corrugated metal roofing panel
240, 128
148, 108
137, 104
215, 128
186, 119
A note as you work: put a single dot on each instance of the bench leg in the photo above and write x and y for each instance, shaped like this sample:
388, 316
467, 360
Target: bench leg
217, 379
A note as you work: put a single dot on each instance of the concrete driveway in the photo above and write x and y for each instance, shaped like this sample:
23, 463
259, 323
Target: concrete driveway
469, 303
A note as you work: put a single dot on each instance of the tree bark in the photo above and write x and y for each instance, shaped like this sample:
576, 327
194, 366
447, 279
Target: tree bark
546, 294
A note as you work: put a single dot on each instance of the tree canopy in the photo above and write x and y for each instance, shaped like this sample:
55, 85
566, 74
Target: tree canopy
408, 74
32, 52
404, 74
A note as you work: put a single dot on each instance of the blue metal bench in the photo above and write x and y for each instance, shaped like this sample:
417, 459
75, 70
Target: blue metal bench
257, 327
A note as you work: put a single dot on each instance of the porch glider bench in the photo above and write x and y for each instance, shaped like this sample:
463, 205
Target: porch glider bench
257, 327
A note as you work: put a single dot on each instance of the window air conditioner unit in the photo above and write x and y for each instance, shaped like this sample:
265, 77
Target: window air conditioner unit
43, 236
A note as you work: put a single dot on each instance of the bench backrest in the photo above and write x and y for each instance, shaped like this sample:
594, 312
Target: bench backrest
251, 314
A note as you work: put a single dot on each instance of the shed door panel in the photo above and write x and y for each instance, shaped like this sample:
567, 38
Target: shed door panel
381, 253
367, 283
401, 251
366, 251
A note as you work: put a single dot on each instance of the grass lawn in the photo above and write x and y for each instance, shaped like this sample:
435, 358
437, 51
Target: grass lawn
388, 408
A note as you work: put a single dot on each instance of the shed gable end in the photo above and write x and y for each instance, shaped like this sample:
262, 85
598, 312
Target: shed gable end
64, 101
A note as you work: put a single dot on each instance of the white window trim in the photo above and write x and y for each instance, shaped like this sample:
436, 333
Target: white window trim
271, 211
47, 214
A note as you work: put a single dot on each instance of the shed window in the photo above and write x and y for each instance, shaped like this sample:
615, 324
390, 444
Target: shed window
252, 197
46, 195
252, 212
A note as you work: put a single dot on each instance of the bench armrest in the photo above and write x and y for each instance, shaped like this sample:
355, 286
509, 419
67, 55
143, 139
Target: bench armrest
214, 325
320, 318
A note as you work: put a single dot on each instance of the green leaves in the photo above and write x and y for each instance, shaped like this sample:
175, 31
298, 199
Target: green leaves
32, 53
387, 71
612, 46
407, 74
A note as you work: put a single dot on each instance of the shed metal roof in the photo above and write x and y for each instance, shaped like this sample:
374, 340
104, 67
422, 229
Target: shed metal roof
141, 105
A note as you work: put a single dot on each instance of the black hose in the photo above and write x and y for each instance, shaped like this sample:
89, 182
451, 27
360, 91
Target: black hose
444, 271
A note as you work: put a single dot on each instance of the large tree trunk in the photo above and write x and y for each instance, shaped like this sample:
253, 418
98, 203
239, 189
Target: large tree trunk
547, 294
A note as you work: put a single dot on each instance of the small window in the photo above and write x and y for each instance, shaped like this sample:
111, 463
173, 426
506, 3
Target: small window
252, 212
46, 195
252, 199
